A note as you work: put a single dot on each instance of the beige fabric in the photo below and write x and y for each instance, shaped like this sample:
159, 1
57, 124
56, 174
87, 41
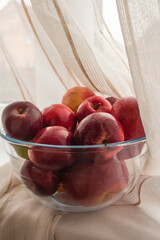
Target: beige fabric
72, 48
91, 66
21, 216
112, 223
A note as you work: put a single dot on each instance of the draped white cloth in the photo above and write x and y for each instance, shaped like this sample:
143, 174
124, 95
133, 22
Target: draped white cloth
72, 48
140, 21
70, 45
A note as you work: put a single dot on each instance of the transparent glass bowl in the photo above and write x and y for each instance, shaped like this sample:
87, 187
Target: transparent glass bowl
97, 177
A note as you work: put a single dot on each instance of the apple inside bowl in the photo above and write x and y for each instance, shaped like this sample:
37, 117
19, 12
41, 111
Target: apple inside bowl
84, 177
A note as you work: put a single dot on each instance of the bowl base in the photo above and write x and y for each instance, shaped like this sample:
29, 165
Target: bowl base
62, 202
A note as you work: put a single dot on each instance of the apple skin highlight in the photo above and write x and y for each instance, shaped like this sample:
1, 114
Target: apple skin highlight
22, 120
59, 115
92, 105
98, 128
52, 158
126, 110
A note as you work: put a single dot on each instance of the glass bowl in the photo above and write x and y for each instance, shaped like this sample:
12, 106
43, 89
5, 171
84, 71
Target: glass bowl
95, 176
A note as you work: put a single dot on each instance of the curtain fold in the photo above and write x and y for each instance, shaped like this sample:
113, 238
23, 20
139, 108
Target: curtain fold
140, 22
72, 42
78, 50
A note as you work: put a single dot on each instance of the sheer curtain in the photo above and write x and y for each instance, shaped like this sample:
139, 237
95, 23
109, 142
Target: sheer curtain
140, 22
70, 40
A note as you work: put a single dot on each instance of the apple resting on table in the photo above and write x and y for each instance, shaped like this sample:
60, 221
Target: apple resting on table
41, 182
126, 110
22, 120
74, 96
92, 105
59, 115
93, 182
48, 157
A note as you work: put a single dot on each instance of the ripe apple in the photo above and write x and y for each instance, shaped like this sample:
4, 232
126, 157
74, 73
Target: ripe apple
74, 96
112, 100
41, 182
98, 128
22, 120
126, 110
49, 157
93, 182
91, 105
59, 115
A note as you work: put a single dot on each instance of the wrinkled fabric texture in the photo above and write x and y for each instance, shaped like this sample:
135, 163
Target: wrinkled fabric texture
21, 216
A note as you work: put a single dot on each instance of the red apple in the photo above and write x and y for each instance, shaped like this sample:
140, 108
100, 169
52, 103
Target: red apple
74, 96
52, 158
126, 110
59, 115
112, 100
22, 120
93, 182
98, 128
91, 105
41, 182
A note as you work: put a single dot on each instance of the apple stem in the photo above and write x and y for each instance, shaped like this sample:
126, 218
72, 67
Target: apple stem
98, 105
104, 142
21, 111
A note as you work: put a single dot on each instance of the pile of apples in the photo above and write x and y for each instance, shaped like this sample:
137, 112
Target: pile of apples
88, 176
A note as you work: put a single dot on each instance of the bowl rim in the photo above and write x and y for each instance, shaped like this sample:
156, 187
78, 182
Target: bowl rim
31, 144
